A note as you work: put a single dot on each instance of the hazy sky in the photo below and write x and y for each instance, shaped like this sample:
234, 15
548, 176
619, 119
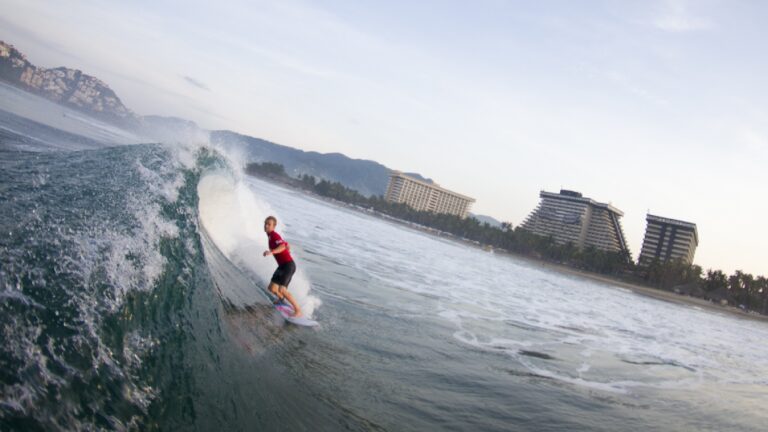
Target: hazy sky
650, 105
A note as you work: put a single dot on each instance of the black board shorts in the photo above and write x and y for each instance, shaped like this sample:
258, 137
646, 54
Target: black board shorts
284, 273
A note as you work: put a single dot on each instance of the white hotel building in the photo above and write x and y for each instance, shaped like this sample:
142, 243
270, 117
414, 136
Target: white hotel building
568, 217
425, 196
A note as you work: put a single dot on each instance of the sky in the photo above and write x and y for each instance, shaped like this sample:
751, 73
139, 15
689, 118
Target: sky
658, 105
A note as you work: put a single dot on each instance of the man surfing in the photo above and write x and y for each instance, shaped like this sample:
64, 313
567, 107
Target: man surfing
280, 249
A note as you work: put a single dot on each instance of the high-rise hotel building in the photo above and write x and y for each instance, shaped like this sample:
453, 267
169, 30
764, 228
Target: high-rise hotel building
426, 196
667, 239
569, 217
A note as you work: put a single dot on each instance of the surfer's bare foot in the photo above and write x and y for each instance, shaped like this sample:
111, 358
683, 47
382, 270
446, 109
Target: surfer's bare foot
287, 295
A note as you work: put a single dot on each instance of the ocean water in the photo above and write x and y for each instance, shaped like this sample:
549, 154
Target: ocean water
52, 126
131, 298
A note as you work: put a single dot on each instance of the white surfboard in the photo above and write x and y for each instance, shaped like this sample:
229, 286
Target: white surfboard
287, 312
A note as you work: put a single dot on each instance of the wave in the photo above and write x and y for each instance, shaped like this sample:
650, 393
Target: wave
119, 268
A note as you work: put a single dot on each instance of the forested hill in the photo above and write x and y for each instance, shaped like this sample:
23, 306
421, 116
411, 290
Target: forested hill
365, 176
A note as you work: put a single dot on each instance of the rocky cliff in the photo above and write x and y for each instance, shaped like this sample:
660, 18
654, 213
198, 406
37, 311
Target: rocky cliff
68, 87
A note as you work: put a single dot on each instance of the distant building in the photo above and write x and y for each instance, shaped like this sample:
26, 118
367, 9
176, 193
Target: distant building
426, 196
667, 239
569, 217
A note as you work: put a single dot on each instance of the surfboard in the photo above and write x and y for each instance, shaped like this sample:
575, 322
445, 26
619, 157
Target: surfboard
287, 312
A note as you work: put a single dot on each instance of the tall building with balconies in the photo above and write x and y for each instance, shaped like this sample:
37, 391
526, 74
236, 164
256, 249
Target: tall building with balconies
568, 217
425, 196
668, 239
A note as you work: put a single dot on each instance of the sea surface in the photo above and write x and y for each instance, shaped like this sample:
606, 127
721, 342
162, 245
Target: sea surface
131, 298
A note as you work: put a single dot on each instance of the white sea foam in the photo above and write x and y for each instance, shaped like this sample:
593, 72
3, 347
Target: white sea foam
234, 216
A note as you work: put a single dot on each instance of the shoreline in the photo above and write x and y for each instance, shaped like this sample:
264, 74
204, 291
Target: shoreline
638, 289
646, 291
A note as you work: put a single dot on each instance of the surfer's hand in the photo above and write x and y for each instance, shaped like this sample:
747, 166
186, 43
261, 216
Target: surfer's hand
267, 253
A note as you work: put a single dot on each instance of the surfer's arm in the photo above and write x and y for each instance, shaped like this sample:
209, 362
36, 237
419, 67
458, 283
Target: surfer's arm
278, 249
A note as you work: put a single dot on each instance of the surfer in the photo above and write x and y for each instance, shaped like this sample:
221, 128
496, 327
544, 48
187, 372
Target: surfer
280, 249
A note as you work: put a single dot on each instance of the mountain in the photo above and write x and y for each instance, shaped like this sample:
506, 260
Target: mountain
365, 176
488, 219
68, 87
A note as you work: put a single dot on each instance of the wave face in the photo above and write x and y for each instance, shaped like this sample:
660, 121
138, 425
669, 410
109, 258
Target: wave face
117, 306
98, 251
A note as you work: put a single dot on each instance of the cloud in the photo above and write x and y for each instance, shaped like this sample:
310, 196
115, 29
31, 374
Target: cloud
195, 83
675, 17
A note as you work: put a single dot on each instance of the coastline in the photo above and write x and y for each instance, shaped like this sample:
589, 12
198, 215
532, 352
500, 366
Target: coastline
603, 279
645, 290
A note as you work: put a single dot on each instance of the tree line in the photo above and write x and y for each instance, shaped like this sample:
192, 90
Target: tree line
740, 289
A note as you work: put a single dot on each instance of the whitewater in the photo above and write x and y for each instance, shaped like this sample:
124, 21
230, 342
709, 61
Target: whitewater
131, 298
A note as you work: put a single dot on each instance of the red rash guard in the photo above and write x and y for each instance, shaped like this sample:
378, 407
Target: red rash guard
274, 241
